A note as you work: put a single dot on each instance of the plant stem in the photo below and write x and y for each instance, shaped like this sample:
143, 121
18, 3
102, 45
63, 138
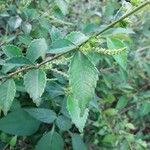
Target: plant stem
98, 33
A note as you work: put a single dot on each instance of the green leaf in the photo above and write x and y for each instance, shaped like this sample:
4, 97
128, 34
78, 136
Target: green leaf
45, 23
77, 142
7, 68
145, 108
16, 104
19, 123
63, 123
91, 28
135, 2
53, 89
50, 141
75, 111
24, 39
7, 94
12, 51
61, 46
121, 59
35, 82
77, 38
13, 141
26, 27
18, 61
111, 112
36, 49
130, 126
42, 114
122, 102
125, 145
110, 139
83, 78
55, 33
2, 62
64, 110
63, 6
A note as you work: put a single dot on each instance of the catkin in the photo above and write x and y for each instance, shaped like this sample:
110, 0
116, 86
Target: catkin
59, 72
110, 52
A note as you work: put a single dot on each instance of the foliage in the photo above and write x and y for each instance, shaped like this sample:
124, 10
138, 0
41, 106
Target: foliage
70, 79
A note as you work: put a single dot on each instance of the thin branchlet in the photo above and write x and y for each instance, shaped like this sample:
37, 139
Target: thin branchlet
95, 35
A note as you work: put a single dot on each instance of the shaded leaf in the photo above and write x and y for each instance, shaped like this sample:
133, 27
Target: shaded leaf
53, 89
24, 39
121, 59
145, 108
111, 112
77, 142
26, 27
50, 141
18, 61
55, 33
13, 141
42, 114
14, 22
36, 49
12, 51
122, 102
19, 123
64, 110
63, 123
76, 37
63, 6
7, 94
110, 139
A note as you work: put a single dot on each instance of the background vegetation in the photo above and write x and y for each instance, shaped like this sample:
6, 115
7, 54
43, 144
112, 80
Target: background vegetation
33, 103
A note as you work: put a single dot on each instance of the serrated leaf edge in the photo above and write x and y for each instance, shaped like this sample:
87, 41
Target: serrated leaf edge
35, 100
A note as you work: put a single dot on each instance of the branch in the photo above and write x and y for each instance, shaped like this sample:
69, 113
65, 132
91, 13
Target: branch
123, 17
30, 67
95, 35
